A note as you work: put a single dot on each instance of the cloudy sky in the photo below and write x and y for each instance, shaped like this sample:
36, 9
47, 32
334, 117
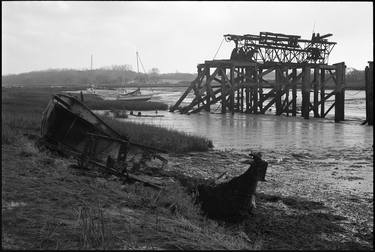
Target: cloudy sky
172, 36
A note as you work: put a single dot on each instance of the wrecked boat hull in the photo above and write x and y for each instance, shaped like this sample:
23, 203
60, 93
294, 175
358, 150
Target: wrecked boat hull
72, 128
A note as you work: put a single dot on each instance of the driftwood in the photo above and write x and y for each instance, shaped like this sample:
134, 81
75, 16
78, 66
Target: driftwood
235, 198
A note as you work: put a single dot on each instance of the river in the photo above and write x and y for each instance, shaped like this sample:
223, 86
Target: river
247, 131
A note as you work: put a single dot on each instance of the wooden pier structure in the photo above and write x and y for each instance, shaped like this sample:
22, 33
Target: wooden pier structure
297, 65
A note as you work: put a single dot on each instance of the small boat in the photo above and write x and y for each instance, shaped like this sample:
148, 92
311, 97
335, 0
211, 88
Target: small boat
133, 96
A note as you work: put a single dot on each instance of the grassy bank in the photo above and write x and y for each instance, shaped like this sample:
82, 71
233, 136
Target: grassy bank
48, 204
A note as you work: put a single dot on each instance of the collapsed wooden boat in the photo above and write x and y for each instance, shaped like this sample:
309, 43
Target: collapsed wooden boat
72, 128
235, 199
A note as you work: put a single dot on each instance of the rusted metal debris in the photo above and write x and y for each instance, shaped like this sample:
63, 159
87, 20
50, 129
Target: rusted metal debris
70, 127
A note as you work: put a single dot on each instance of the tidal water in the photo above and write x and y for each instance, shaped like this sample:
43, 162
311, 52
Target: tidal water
246, 131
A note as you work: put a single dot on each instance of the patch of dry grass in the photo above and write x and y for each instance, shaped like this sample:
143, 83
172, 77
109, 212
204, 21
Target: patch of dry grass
158, 137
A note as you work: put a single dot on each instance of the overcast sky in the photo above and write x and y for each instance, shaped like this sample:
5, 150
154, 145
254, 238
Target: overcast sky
172, 36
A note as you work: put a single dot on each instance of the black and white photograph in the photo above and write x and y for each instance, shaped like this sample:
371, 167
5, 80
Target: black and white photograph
187, 125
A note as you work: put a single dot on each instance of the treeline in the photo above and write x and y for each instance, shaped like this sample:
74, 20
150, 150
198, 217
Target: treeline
122, 75
111, 76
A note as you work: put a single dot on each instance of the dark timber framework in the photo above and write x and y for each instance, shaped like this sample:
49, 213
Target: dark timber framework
238, 84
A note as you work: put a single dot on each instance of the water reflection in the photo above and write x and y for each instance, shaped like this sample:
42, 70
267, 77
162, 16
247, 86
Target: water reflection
244, 131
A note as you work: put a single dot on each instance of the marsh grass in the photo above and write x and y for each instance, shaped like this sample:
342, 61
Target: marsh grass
95, 231
22, 110
158, 137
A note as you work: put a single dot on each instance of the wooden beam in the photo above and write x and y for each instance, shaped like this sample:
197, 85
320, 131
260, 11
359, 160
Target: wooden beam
333, 104
271, 102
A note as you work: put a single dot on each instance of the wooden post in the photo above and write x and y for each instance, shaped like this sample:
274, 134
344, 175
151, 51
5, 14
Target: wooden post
242, 88
256, 91
287, 81
247, 91
322, 91
294, 92
278, 80
306, 85
260, 91
208, 96
231, 92
369, 93
340, 92
316, 92
238, 90
223, 92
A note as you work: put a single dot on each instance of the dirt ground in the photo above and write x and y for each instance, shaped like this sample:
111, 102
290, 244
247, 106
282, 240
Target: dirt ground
309, 200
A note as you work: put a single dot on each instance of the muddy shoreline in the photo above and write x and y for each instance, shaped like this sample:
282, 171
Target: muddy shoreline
309, 200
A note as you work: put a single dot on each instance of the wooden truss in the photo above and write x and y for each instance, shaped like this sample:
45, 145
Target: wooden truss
240, 87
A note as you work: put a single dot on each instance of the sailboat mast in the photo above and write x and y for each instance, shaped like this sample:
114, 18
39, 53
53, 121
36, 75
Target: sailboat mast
137, 63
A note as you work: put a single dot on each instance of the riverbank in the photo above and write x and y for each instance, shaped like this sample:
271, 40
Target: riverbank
309, 200
306, 203
318, 194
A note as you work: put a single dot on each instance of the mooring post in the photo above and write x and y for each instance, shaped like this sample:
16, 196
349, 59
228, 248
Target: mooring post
369, 93
306, 86
322, 90
294, 91
340, 92
242, 87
